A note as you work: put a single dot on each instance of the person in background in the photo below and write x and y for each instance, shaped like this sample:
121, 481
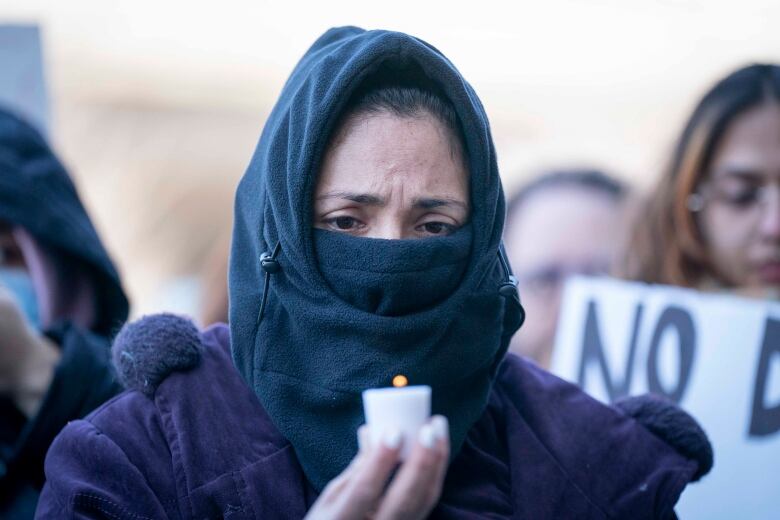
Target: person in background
713, 220
60, 300
561, 223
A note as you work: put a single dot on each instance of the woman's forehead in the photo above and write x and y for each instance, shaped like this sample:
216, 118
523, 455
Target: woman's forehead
750, 147
380, 151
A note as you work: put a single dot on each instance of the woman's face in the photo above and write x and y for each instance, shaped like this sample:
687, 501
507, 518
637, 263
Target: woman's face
392, 177
740, 220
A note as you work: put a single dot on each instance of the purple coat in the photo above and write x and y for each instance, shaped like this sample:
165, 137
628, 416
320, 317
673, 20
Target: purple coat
198, 444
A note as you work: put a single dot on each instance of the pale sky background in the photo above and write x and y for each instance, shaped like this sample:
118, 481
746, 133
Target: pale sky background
157, 105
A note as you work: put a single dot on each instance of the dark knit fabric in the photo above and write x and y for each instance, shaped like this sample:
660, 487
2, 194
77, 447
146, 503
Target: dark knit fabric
343, 313
146, 351
673, 425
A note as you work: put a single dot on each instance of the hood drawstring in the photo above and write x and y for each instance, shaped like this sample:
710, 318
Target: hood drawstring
270, 265
508, 288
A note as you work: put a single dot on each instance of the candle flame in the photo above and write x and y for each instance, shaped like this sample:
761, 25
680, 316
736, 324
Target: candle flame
400, 381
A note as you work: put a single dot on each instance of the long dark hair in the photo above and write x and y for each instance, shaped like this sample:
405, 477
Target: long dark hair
667, 246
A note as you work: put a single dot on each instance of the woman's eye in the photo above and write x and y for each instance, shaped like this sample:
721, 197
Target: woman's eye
438, 228
744, 197
739, 194
10, 255
343, 223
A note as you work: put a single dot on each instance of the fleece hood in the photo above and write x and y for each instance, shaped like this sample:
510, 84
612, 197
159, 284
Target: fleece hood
316, 317
73, 275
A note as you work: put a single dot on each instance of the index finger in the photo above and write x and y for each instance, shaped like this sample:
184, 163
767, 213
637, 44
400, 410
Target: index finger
368, 479
417, 486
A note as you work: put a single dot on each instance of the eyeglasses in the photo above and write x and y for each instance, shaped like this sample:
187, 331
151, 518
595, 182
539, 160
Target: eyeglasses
550, 277
739, 194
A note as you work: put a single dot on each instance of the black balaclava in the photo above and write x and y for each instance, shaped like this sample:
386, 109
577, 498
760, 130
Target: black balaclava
316, 317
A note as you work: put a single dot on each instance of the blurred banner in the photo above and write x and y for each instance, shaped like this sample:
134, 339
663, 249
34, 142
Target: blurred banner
716, 356
22, 87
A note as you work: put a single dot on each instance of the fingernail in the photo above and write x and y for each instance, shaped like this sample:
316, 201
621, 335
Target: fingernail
427, 436
392, 439
441, 427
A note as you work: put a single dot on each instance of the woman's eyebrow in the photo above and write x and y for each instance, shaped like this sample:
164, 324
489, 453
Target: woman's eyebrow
375, 200
740, 172
360, 198
434, 202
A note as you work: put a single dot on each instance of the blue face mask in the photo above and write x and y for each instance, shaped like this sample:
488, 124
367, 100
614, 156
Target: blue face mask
19, 283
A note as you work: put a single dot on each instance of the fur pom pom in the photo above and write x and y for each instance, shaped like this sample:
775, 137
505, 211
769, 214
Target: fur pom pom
669, 422
146, 351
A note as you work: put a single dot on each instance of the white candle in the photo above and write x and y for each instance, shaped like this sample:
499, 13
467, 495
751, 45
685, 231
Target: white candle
404, 410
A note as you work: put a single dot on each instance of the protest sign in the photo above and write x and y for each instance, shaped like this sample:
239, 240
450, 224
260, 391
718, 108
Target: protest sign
716, 355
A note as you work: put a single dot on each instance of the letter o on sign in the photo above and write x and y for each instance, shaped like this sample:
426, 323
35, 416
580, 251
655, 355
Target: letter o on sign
679, 319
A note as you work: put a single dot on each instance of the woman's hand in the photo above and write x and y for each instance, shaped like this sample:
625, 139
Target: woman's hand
361, 491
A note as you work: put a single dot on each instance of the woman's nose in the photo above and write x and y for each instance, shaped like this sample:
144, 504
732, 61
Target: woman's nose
770, 218
388, 228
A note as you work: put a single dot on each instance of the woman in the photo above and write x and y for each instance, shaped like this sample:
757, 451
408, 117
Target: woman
60, 299
715, 215
366, 244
